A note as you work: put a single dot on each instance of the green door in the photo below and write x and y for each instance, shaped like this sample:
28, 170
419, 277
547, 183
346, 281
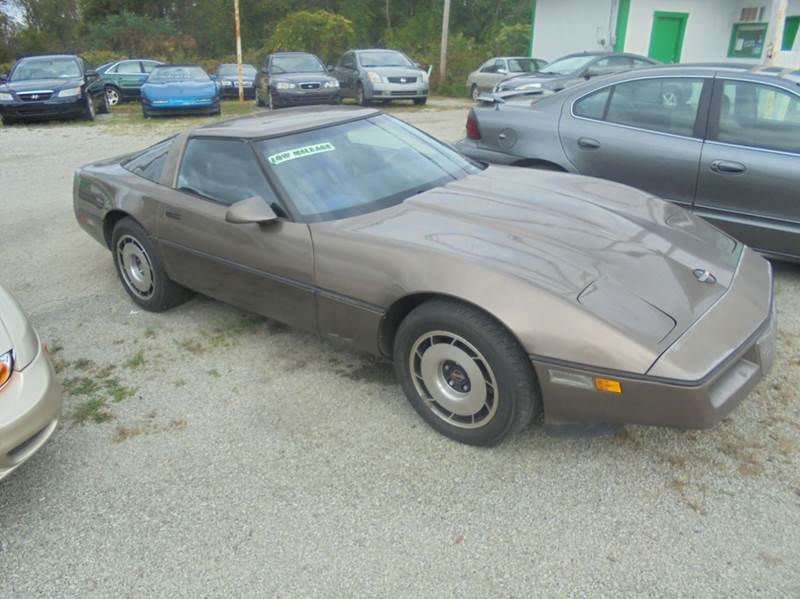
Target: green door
666, 39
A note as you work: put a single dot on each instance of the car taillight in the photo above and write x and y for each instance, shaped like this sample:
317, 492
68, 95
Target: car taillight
473, 131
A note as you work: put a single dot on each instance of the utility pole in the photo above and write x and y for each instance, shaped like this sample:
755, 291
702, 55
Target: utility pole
445, 29
779, 15
239, 72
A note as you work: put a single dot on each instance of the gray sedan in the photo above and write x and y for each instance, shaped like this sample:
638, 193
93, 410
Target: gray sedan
295, 79
495, 70
383, 75
722, 141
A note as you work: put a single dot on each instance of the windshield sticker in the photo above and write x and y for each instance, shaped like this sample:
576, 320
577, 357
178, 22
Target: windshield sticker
301, 152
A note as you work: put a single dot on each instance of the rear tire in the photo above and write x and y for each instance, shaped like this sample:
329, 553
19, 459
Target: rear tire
140, 269
464, 373
9, 120
475, 92
113, 95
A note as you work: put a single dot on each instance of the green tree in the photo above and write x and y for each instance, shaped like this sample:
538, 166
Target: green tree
54, 24
323, 33
137, 35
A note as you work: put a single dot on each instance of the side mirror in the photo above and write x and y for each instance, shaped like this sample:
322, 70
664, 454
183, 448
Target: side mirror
502, 71
265, 70
331, 67
417, 65
249, 211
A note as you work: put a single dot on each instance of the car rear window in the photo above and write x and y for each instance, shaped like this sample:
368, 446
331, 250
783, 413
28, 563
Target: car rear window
149, 163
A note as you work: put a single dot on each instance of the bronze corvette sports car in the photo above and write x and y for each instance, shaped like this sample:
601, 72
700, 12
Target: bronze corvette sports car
499, 292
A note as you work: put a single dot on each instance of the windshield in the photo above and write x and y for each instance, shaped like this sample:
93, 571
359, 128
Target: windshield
566, 66
177, 73
359, 167
383, 58
522, 65
296, 63
229, 70
45, 68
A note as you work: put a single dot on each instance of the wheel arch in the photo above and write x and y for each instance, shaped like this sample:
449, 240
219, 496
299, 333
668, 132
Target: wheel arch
110, 221
402, 307
541, 164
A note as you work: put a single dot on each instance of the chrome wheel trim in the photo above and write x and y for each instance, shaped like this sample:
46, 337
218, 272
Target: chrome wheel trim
468, 400
112, 96
135, 266
476, 92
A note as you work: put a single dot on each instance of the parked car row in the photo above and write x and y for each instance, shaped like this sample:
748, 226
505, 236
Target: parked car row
723, 141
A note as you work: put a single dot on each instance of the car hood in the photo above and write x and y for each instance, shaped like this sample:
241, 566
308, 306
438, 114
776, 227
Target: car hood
41, 84
235, 78
302, 78
396, 71
179, 89
613, 249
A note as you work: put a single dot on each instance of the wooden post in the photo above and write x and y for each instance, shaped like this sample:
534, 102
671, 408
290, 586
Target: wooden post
239, 70
445, 29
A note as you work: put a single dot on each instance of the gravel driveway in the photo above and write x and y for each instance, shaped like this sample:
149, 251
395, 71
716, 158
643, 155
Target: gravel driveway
208, 452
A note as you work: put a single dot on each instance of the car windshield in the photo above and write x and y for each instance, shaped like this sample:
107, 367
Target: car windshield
568, 65
521, 65
229, 70
359, 167
296, 63
46, 68
177, 73
383, 58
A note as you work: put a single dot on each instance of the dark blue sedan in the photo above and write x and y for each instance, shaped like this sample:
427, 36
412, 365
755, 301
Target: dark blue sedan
177, 89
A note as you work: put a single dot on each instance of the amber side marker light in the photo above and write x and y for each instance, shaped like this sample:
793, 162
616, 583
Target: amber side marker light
607, 385
6, 367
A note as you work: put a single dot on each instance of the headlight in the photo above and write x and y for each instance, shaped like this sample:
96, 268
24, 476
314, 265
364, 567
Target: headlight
72, 92
374, 77
331, 84
6, 368
4, 97
285, 85
530, 86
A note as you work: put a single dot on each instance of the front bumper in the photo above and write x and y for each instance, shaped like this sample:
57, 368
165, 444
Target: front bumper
232, 91
305, 97
46, 109
395, 91
30, 408
652, 399
180, 107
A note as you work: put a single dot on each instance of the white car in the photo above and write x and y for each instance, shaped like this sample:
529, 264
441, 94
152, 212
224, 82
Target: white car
30, 394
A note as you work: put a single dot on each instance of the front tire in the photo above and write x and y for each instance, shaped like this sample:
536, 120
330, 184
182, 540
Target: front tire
464, 373
140, 269
88, 108
361, 97
420, 101
105, 108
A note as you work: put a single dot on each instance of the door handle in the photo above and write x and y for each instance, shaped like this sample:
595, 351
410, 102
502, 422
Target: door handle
587, 143
172, 214
727, 167
502, 136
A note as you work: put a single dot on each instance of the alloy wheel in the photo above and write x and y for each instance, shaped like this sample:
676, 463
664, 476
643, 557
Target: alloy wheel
135, 266
112, 96
454, 379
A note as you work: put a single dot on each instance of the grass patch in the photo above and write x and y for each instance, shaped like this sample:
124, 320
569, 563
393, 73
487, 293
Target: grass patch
136, 361
92, 410
215, 373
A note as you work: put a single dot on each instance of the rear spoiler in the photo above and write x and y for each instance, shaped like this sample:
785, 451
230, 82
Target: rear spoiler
500, 97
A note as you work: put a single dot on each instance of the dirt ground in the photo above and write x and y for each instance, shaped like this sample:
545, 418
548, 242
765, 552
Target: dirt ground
208, 452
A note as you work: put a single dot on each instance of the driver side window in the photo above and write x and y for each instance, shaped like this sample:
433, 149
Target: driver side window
223, 170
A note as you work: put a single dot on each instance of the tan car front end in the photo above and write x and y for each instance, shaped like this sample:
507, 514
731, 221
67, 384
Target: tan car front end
30, 396
695, 382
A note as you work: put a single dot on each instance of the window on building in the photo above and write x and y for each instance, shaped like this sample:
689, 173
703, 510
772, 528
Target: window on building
759, 116
664, 104
790, 28
747, 40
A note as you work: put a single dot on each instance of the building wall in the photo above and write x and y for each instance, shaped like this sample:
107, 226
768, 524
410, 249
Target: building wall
565, 26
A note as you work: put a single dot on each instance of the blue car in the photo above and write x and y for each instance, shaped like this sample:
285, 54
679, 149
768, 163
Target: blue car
174, 89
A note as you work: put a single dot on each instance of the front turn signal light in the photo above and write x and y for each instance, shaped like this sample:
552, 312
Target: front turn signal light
6, 367
607, 385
